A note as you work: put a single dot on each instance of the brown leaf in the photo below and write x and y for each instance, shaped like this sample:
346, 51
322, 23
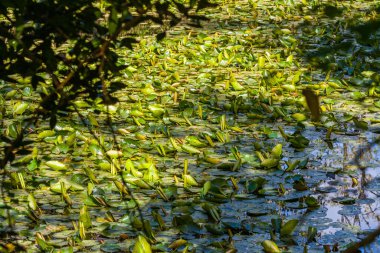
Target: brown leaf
312, 101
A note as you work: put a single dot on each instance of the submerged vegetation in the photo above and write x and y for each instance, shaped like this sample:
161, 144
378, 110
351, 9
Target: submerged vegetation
256, 130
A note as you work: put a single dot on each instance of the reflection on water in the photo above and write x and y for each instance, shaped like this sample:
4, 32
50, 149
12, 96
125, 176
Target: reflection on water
365, 192
350, 200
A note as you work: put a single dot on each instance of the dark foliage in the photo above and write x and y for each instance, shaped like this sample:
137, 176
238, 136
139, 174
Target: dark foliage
68, 48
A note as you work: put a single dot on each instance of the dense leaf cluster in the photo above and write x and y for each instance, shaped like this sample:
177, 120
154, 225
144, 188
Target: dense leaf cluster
68, 48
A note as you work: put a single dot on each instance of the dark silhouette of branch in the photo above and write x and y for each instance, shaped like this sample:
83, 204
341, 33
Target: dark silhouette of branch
373, 235
9, 156
109, 121
362, 151
364, 242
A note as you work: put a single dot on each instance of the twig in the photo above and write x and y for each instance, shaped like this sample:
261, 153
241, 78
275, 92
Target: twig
141, 217
367, 240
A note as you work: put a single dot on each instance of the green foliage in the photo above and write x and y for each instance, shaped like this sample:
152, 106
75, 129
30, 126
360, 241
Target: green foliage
66, 49
212, 146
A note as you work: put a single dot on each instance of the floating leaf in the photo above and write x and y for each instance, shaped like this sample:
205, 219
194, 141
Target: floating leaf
142, 245
215, 229
261, 62
136, 181
84, 217
92, 120
10, 94
311, 233
20, 108
299, 117
195, 141
255, 184
46, 133
42, 242
114, 153
276, 224
311, 202
189, 181
360, 123
236, 85
189, 149
56, 165
289, 87
291, 165
270, 246
32, 203
177, 243
288, 228
344, 200
56, 186
130, 168
156, 110
277, 151
212, 210
186, 224
151, 174
270, 163
298, 141
212, 160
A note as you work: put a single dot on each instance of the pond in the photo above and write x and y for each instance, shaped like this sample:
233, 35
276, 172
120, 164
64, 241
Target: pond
211, 146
